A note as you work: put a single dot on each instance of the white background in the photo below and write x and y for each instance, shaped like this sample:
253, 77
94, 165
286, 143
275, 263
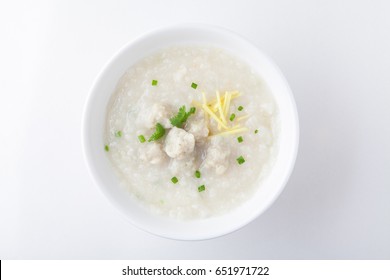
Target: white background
336, 57
278, 269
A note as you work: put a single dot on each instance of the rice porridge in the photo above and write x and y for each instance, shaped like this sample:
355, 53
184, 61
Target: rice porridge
191, 131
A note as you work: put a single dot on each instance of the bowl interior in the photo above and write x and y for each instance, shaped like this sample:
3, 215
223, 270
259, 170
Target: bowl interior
101, 169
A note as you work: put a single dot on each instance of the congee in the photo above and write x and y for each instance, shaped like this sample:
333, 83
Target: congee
191, 131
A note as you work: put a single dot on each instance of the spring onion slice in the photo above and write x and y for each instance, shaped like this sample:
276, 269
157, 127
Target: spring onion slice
240, 160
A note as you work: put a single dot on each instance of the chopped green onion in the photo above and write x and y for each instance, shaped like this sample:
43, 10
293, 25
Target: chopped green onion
118, 133
240, 139
201, 188
194, 86
232, 117
197, 174
154, 83
174, 180
256, 131
240, 160
141, 138
107, 148
240, 108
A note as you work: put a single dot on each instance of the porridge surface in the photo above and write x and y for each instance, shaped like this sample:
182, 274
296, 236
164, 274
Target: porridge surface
148, 169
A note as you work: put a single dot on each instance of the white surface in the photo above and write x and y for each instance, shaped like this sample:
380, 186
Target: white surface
335, 55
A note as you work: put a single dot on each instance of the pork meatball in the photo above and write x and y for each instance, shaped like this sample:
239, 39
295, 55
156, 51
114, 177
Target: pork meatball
179, 143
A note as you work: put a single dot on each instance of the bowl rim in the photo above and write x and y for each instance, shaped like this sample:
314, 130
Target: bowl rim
200, 27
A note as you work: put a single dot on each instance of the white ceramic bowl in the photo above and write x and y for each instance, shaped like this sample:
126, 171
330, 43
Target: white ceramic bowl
94, 124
